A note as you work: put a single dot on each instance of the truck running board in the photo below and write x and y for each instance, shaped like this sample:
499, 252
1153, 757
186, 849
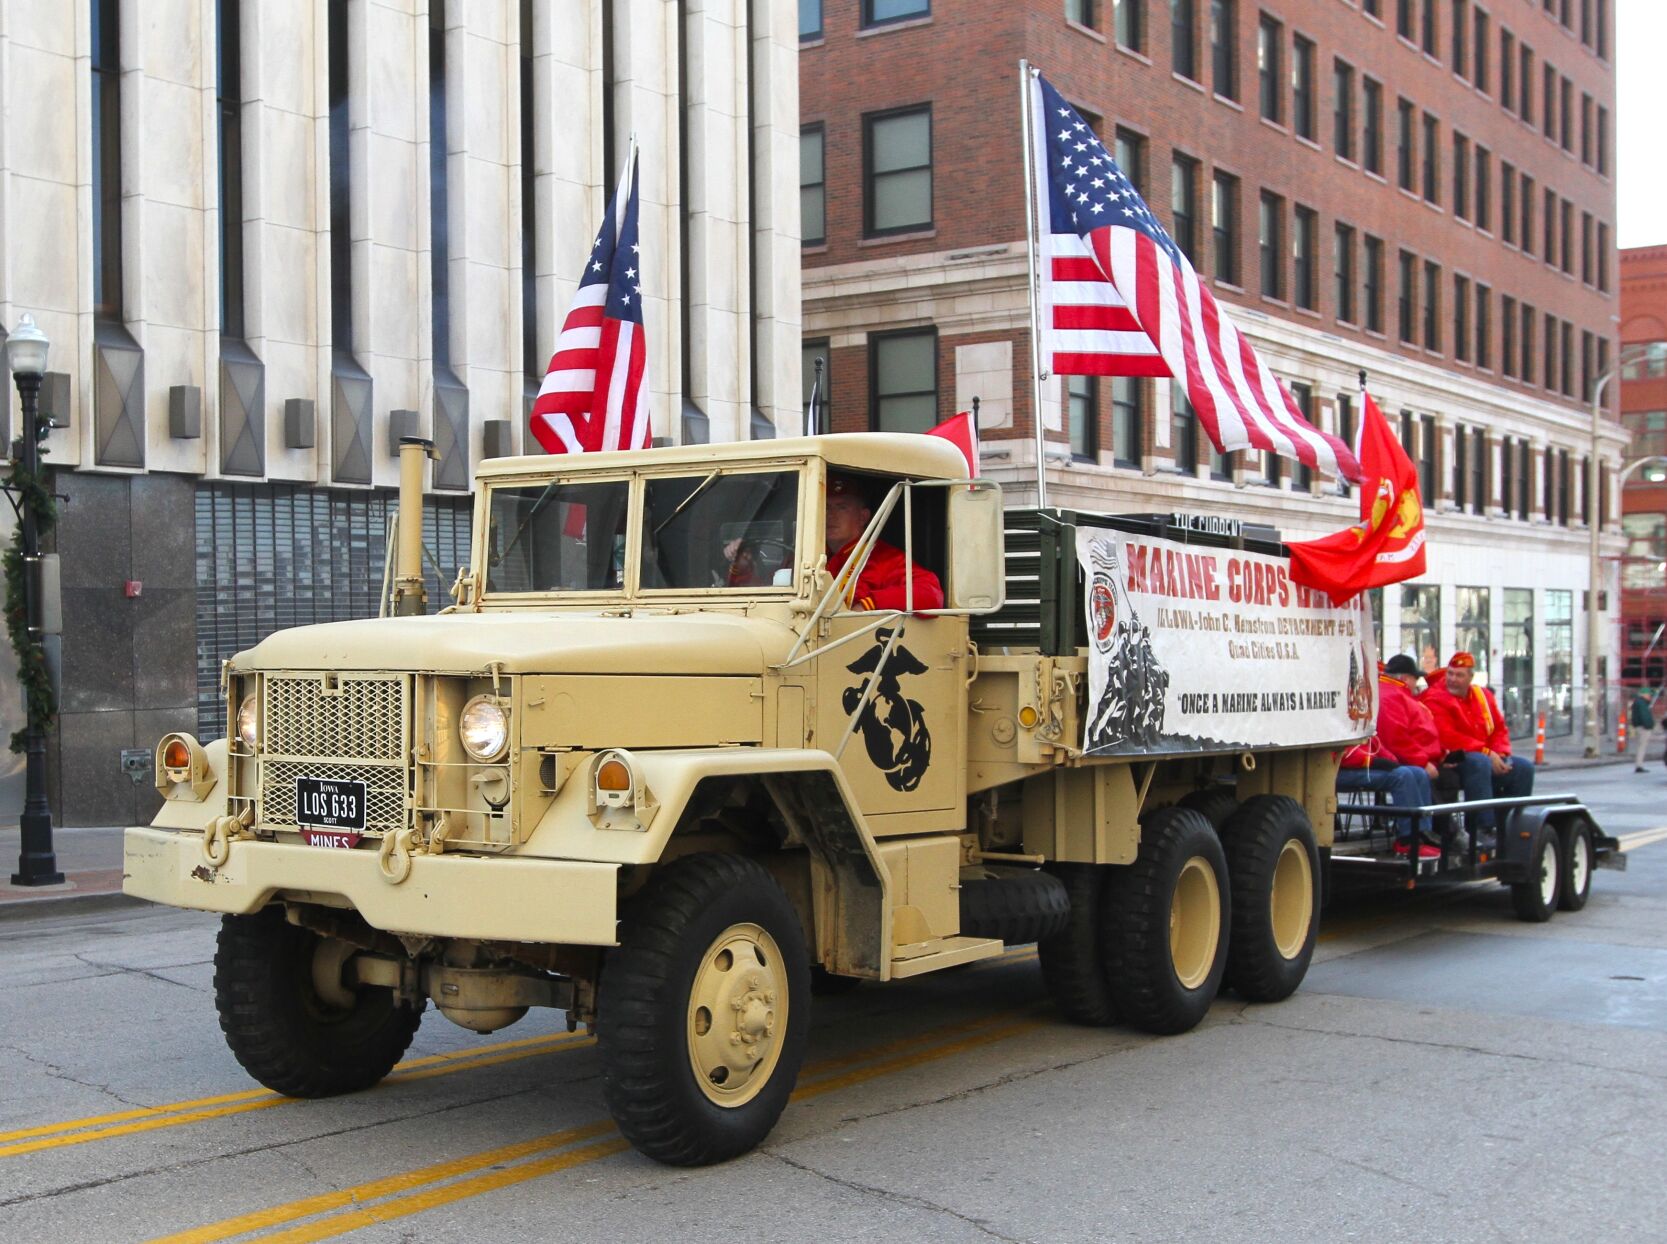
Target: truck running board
941, 952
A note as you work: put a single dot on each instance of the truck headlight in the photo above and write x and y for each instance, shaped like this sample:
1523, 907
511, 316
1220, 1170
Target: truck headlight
248, 718
484, 728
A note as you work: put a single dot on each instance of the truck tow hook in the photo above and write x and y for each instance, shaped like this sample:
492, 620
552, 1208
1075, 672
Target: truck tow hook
218, 836
394, 857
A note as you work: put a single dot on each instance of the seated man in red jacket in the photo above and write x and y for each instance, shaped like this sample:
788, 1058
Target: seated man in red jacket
1474, 736
1400, 759
882, 582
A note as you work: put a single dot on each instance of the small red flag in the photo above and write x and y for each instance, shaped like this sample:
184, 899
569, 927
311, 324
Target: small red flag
1387, 544
961, 431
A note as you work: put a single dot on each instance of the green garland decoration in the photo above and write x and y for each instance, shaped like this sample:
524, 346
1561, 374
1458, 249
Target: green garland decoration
32, 494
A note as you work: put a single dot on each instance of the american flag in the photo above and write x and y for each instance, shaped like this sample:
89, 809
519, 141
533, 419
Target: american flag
1119, 298
595, 393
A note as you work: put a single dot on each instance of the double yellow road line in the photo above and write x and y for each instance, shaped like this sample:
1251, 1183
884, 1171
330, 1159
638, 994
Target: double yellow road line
1642, 838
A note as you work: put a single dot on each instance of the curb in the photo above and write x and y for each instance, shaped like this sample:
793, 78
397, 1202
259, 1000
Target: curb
65, 905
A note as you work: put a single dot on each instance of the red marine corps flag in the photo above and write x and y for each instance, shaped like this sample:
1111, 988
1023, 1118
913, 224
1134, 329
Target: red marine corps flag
595, 393
961, 431
1387, 544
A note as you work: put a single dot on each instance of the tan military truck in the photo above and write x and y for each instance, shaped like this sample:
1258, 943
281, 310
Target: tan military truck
652, 769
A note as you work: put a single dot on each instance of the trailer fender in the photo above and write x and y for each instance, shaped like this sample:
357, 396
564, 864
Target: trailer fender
1518, 836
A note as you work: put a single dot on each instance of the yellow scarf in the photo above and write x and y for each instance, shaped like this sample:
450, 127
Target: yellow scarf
1481, 698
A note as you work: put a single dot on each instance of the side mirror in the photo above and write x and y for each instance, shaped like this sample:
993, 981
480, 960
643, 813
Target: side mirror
977, 561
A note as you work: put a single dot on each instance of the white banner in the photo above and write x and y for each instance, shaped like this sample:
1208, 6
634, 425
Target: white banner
1206, 649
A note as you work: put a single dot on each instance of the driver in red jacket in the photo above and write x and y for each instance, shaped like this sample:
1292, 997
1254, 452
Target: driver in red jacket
882, 583
1474, 734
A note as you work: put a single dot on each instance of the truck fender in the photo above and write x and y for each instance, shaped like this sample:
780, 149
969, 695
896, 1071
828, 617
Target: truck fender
850, 887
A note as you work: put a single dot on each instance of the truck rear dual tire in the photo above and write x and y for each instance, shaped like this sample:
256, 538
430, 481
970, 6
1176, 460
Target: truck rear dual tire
703, 1010
1073, 967
1164, 924
1016, 905
1274, 862
282, 1031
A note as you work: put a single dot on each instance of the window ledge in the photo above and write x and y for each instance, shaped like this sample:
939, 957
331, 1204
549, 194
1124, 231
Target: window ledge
1228, 102
1347, 163
814, 248
815, 42
883, 28
1310, 312
1275, 125
1278, 302
1308, 142
1377, 177
1085, 30
1134, 53
886, 239
1185, 81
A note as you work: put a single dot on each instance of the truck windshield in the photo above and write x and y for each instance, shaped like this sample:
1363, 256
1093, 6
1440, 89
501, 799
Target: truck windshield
717, 530
558, 537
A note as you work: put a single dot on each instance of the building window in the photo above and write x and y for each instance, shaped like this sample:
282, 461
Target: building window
1559, 655
229, 101
1224, 225
1183, 429
1461, 318
1588, 347
1081, 12
1566, 219
1130, 150
1479, 47
1478, 471
1548, 100
1548, 355
1526, 232
1406, 305
1567, 357
1484, 327
1484, 188
1525, 343
1344, 242
810, 354
106, 115
1508, 203
1516, 660
1304, 239
531, 365
1603, 258
1603, 141
1429, 27
1472, 632
1404, 122
341, 187
1459, 45
438, 200
1272, 253
1302, 477
1183, 205
1371, 125
1565, 97
1426, 455
813, 186
1508, 336
1128, 397
1421, 625
1373, 291
897, 171
1183, 46
1345, 433
1342, 112
884, 12
1432, 306
1507, 70
1461, 177
1586, 104
1586, 267
903, 374
1302, 86
810, 20
1525, 84
1224, 48
1403, 18
1130, 22
1432, 159
1082, 394
1269, 35
1548, 223
1601, 23
1565, 488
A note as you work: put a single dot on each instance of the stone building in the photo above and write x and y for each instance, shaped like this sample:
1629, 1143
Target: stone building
267, 237
1420, 189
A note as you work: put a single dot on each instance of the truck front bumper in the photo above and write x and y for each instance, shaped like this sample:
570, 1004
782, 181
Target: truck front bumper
505, 898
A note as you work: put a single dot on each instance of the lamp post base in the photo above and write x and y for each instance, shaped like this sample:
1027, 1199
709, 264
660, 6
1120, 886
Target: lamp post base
37, 862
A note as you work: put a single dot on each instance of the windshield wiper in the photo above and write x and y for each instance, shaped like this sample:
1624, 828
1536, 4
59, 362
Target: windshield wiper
687, 501
522, 529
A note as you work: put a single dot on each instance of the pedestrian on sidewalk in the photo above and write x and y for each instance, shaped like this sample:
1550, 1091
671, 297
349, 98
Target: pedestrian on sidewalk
1641, 721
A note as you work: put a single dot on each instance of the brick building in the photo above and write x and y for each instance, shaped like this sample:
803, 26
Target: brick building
1644, 498
1423, 189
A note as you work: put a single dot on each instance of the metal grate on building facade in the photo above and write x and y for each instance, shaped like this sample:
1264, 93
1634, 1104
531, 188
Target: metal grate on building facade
271, 556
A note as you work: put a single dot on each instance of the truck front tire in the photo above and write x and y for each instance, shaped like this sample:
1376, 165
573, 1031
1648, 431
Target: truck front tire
1274, 863
703, 1011
282, 1031
1164, 922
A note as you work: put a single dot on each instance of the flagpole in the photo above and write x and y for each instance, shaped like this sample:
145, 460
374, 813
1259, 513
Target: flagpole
1030, 257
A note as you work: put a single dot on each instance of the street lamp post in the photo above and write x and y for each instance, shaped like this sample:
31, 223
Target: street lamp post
1594, 630
37, 863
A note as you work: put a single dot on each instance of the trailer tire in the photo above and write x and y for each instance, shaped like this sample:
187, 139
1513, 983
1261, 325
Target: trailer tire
1273, 862
1577, 857
1164, 924
1073, 968
278, 1027
1535, 897
711, 948
1017, 905
1216, 803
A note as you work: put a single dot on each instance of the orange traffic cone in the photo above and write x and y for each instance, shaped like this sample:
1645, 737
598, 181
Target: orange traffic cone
1620, 737
1539, 741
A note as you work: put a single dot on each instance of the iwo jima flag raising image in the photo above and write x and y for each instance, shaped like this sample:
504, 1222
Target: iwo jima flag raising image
1115, 296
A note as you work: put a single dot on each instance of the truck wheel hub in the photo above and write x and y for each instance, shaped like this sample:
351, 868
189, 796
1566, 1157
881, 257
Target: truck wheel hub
737, 1012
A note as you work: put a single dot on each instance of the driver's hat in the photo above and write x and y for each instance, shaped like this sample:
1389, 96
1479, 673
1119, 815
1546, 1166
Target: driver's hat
842, 485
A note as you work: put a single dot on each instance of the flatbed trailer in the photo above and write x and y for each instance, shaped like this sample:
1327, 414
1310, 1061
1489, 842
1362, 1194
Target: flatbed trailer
1545, 850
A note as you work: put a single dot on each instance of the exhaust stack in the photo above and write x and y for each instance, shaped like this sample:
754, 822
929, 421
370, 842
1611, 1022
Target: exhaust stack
410, 592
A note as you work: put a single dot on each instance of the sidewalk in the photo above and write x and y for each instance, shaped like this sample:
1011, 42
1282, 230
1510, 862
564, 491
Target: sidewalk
91, 861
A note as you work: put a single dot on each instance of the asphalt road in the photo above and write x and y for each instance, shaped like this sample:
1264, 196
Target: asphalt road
1445, 1073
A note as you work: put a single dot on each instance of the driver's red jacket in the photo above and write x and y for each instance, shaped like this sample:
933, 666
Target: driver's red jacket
883, 582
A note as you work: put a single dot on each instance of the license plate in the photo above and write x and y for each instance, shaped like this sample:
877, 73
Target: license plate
325, 804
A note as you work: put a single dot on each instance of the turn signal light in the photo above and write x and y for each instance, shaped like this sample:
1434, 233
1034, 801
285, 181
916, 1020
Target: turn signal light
1028, 717
176, 755
613, 775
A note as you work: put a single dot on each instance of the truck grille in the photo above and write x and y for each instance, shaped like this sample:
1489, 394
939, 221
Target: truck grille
346, 727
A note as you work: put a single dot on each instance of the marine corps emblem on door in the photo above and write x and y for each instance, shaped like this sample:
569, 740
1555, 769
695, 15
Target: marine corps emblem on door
892, 725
